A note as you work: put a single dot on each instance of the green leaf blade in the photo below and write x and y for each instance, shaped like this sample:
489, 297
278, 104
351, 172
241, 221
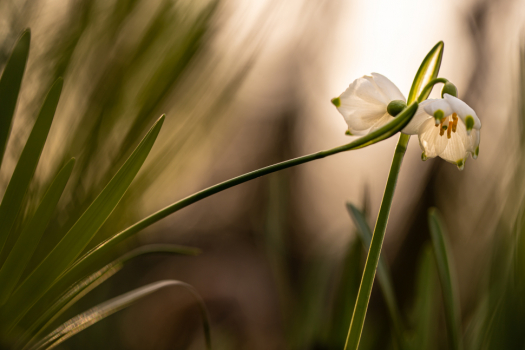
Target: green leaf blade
78, 237
427, 71
101, 311
26, 166
84, 286
10, 83
28, 241
446, 275
424, 310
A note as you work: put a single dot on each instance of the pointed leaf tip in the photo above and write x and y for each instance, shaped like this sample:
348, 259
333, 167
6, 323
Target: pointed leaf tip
427, 71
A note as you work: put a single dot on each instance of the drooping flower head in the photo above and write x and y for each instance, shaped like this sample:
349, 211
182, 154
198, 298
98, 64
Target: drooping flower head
446, 127
364, 104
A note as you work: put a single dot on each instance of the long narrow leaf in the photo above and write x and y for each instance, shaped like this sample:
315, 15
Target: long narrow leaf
424, 311
427, 71
383, 272
92, 316
346, 294
28, 241
26, 166
81, 288
78, 237
446, 275
382, 133
10, 86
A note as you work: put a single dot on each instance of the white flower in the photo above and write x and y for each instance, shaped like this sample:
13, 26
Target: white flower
364, 104
447, 128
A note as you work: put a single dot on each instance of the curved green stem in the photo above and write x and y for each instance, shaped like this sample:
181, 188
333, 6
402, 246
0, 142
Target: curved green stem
380, 134
426, 90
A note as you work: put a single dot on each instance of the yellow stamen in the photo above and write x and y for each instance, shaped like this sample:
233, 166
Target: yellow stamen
441, 130
455, 122
449, 130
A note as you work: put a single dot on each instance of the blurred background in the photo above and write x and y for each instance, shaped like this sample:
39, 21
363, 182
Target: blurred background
245, 84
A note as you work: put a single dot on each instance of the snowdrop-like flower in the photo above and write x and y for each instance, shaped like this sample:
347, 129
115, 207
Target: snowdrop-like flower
446, 127
364, 105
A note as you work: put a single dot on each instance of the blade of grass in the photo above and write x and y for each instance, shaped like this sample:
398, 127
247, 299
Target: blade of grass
93, 255
10, 86
77, 238
28, 241
423, 310
346, 294
446, 275
101, 311
83, 287
427, 71
383, 274
26, 166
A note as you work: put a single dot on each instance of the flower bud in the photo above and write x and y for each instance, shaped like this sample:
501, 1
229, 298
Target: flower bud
450, 89
395, 107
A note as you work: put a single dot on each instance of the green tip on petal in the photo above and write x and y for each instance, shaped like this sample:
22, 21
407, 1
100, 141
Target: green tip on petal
348, 133
450, 89
476, 152
423, 156
439, 115
461, 164
395, 107
469, 123
336, 101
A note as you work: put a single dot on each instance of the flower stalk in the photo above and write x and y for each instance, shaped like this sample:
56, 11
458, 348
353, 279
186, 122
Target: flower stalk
372, 260
367, 281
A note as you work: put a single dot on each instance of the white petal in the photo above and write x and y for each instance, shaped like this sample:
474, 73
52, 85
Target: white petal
419, 118
457, 146
430, 141
367, 90
438, 104
362, 105
463, 110
390, 90
386, 118
473, 148
471, 141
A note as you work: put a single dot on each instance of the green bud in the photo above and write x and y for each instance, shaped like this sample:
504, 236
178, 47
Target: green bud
348, 133
336, 101
450, 89
395, 107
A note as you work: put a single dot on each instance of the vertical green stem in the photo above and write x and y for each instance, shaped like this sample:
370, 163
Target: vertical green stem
363, 297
